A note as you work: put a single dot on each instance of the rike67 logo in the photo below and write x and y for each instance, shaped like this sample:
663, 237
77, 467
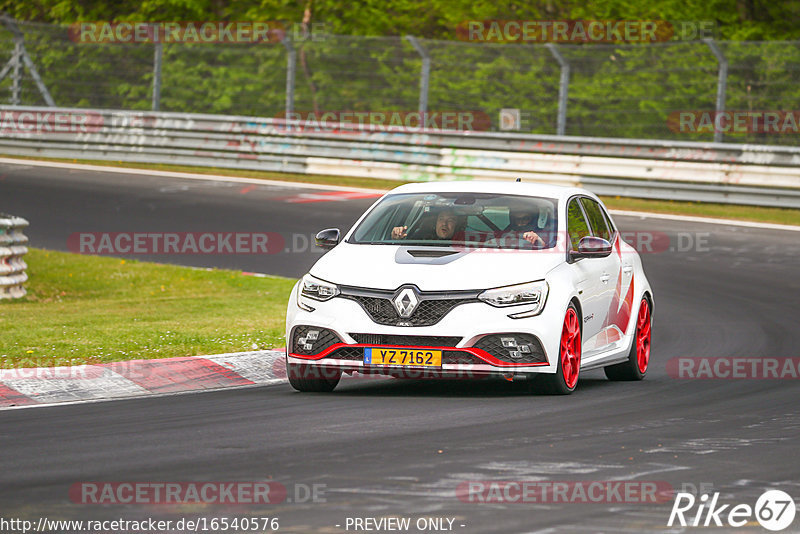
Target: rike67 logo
774, 510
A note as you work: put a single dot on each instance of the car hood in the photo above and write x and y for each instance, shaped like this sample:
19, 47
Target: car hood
391, 266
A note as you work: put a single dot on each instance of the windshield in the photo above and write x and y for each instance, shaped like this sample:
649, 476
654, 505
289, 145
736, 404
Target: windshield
466, 219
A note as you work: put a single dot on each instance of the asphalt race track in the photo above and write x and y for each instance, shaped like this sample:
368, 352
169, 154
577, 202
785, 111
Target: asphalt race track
400, 448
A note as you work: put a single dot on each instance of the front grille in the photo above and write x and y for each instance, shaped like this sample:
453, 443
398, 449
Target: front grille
525, 348
461, 358
308, 347
432, 307
448, 356
428, 312
347, 353
406, 341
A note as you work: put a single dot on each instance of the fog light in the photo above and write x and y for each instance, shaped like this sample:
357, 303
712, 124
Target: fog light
512, 346
303, 342
508, 342
308, 340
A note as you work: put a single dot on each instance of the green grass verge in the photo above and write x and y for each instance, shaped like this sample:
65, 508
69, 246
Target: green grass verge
89, 309
725, 211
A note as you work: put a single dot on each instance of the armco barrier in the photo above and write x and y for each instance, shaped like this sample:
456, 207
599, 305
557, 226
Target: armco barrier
714, 172
12, 248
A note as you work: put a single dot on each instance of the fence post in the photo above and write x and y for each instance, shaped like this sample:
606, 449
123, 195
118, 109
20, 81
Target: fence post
16, 72
291, 68
563, 88
425, 74
722, 83
157, 55
36, 78
19, 56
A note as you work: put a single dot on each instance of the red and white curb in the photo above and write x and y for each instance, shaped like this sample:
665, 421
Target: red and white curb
138, 378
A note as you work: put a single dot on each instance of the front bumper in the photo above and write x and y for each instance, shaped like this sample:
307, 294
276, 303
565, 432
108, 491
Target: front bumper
470, 337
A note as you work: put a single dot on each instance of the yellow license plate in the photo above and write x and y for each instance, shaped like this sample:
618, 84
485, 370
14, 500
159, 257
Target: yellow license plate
401, 356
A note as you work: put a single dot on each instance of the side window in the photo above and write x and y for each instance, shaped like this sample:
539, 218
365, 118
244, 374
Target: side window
596, 218
576, 223
611, 227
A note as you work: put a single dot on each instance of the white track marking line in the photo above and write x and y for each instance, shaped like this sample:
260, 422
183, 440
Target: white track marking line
187, 175
708, 220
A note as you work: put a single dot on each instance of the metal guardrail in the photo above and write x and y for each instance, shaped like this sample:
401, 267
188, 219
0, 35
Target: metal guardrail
12, 248
712, 172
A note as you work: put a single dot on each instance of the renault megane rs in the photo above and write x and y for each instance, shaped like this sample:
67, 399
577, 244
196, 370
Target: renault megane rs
473, 279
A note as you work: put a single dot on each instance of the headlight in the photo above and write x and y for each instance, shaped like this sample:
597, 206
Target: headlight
315, 289
534, 293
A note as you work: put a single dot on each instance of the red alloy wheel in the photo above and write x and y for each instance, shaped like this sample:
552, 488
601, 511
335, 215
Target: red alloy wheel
643, 336
571, 348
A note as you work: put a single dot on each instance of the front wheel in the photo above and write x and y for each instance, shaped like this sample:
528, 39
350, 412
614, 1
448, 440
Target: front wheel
565, 379
312, 379
639, 358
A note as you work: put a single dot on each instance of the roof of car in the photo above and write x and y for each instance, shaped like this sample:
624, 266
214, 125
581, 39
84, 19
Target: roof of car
493, 186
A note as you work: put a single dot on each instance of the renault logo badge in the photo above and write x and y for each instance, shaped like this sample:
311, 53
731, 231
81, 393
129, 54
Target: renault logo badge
405, 302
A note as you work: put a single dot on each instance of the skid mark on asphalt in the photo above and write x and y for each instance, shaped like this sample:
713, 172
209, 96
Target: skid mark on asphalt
174, 189
712, 445
525, 468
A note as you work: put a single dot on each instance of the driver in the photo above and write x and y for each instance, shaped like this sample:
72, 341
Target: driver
445, 226
521, 220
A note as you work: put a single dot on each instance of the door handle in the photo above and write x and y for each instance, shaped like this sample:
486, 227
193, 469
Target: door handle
628, 269
605, 277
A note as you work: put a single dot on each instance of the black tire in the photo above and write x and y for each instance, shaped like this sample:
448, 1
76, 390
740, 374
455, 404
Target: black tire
629, 370
312, 379
556, 384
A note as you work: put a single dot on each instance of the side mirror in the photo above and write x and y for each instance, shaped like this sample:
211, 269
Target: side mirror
591, 247
328, 238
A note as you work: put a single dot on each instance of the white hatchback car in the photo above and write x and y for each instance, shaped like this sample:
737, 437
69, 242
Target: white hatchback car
473, 279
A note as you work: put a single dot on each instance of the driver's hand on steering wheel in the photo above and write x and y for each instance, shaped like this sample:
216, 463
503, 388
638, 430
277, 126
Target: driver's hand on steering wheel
533, 238
399, 232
